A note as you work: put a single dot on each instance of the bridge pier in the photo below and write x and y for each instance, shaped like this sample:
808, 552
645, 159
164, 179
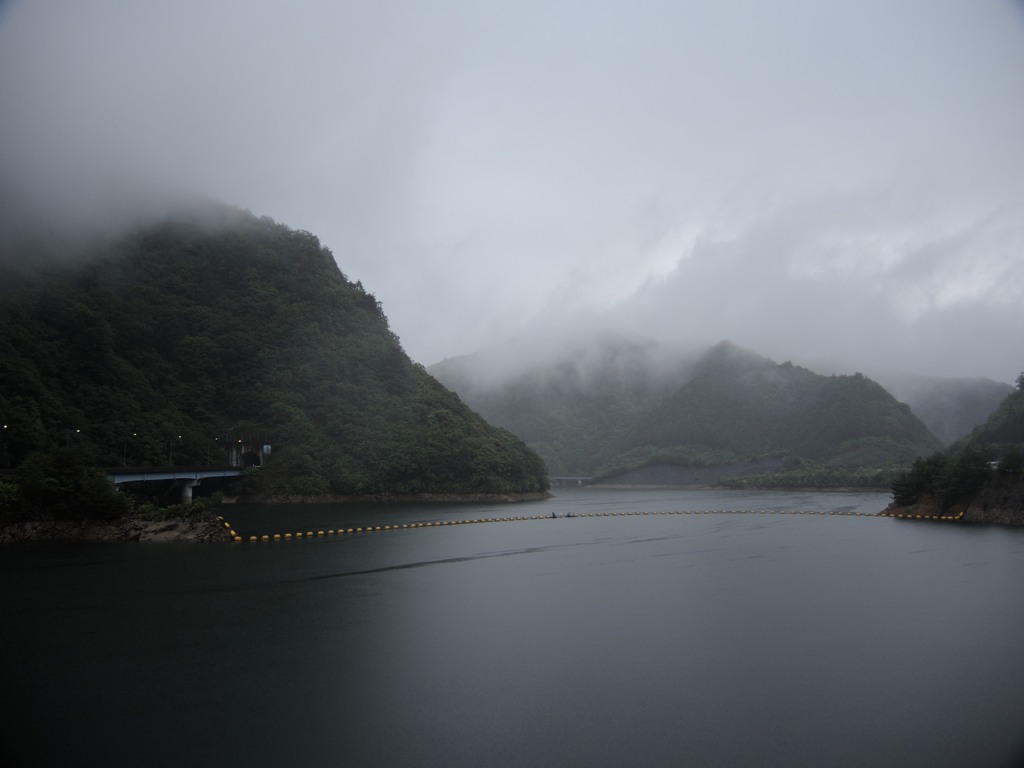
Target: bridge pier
186, 491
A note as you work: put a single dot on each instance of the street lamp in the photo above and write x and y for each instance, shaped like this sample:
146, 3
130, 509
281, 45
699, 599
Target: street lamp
125, 459
170, 452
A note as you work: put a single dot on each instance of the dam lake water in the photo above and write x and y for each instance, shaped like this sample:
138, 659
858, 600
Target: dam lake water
748, 639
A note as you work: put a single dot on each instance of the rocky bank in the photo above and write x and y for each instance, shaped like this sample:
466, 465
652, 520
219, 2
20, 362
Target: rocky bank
1000, 502
127, 529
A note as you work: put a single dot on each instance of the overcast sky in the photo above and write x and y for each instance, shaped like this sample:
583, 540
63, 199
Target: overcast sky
816, 180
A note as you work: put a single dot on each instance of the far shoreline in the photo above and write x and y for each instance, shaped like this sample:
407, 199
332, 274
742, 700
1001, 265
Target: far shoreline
693, 487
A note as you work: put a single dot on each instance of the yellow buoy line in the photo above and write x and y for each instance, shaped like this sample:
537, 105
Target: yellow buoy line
353, 530
902, 516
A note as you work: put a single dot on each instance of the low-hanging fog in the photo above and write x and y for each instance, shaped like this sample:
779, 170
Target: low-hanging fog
837, 181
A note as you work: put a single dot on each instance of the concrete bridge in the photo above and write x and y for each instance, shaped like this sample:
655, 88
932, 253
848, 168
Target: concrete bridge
188, 476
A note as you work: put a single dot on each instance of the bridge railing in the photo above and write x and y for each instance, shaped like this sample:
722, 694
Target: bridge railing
143, 474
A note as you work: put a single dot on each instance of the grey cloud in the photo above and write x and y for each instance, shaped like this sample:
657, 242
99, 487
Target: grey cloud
783, 174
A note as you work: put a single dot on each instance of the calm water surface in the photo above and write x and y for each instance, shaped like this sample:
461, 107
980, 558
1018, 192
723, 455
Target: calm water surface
662, 640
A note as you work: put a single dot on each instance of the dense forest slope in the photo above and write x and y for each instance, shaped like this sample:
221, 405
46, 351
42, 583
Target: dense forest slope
216, 326
1005, 426
739, 404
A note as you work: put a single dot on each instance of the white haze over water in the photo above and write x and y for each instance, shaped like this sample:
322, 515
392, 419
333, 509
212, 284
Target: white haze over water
837, 181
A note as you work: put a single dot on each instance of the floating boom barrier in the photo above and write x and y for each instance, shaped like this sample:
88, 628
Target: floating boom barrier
366, 529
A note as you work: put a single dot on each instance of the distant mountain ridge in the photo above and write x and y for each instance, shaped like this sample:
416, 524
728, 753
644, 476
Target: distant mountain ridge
738, 403
727, 405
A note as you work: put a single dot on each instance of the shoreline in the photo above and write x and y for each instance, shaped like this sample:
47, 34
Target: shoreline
127, 529
397, 498
706, 487
210, 528
999, 502
972, 513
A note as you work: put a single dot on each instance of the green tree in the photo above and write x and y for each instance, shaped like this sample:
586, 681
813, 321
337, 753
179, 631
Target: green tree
963, 477
1012, 460
66, 485
923, 478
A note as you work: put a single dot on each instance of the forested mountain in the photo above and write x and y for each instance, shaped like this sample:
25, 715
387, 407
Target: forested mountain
738, 404
217, 325
950, 408
1005, 426
982, 472
573, 406
615, 405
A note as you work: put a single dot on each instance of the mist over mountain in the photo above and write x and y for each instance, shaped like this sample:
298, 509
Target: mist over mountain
570, 403
848, 180
950, 408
